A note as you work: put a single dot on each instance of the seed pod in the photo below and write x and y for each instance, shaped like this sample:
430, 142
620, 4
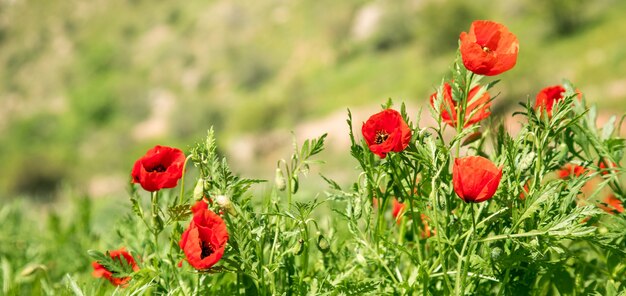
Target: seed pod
322, 244
280, 180
198, 191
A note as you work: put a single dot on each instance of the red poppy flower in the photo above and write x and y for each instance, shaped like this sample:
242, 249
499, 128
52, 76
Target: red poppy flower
606, 169
548, 96
489, 48
398, 209
101, 271
570, 170
612, 205
200, 205
427, 231
477, 108
386, 131
160, 168
475, 178
204, 241
522, 195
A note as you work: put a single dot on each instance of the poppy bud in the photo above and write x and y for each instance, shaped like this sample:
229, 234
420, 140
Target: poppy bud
526, 161
322, 244
280, 180
477, 109
298, 248
562, 154
198, 191
294, 184
224, 203
475, 178
534, 243
496, 253
360, 258
356, 211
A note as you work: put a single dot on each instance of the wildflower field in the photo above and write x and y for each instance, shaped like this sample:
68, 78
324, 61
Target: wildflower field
454, 198
466, 205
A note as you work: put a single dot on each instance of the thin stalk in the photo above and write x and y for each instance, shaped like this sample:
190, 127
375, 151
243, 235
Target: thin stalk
505, 236
435, 201
182, 181
402, 230
459, 267
505, 282
416, 233
305, 253
155, 216
380, 223
463, 260
461, 108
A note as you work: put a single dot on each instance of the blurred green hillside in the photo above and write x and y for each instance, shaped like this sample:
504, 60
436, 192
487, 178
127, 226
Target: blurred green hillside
86, 87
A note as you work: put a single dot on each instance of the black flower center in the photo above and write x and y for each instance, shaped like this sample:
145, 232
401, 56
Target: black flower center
381, 136
207, 250
158, 168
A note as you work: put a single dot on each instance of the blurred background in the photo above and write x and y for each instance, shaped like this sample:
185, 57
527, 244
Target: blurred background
86, 87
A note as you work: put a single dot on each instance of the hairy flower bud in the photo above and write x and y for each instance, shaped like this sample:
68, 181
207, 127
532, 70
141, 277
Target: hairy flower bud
280, 180
198, 191
526, 161
298, 248
322, 244
224, 202
496, 253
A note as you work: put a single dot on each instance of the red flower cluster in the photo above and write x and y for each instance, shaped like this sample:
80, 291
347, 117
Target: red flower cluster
477, 108
570, 170
160, 168
204, 241
606, 169
489, 48
475, 178
612, 205
398, 211
101, 271
385, 132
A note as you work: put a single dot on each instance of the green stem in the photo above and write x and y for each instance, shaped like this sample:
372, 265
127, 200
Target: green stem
380, 223
416, 233
438, 225
463, 260
505, 282
461, 108
402, 231
459, 267
505, 236
155, 220
182, 181
305, 253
